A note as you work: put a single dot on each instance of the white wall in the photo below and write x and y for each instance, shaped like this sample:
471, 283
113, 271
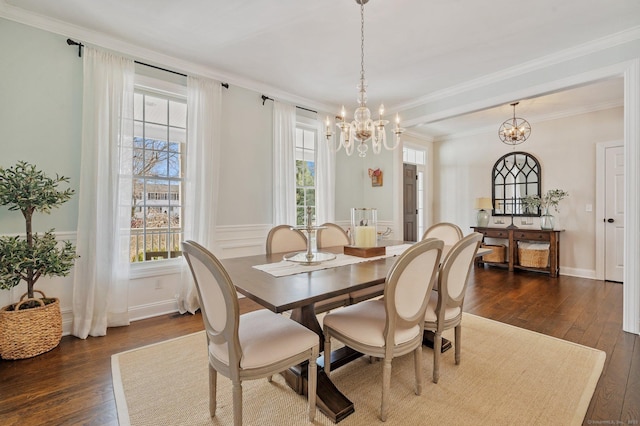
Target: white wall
566, 151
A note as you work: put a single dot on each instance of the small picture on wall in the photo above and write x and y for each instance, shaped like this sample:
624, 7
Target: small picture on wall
376, 177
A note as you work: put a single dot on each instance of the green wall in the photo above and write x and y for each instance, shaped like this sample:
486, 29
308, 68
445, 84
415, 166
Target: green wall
40, 114
41, 122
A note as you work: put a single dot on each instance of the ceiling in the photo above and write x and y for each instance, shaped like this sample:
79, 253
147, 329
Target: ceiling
310, 49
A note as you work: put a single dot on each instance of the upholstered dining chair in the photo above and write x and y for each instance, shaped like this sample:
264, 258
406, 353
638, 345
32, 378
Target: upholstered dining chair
249, 346
331, 235
450, 233
393, 326
444, 310
282, 238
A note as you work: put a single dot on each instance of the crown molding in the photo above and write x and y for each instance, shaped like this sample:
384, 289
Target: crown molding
94, 38
534, 119
603, 43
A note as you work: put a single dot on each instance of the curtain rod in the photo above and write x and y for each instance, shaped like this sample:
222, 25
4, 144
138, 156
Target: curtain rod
266, 98
80, 46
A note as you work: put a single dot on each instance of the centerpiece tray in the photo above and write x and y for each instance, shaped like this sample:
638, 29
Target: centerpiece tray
365, 251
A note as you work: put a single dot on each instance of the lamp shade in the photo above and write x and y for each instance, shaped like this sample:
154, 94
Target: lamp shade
483, 203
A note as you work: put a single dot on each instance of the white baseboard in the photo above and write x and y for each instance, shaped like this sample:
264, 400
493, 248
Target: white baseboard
152, 310
580, 273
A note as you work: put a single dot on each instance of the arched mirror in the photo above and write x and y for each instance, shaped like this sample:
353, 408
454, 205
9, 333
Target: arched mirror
515, 175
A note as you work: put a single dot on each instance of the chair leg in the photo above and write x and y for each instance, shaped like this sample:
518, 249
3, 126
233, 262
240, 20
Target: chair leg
386, 386
458, 342
437, 348
213, 382
312, 383
327, 353
417, 359
237, 404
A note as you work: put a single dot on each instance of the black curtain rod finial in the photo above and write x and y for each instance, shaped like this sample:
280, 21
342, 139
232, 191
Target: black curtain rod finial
75, 43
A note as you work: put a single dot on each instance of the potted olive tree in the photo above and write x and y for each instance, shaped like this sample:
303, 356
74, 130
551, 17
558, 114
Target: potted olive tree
34, 324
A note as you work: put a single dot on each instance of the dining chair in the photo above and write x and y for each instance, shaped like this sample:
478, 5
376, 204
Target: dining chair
450, 233
250, 346
444, 309
393, 326
282, 238
331, 235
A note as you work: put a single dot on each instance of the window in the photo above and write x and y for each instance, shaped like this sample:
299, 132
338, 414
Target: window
305, 172
158, 146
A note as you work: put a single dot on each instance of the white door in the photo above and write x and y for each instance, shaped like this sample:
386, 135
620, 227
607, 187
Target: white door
614, 214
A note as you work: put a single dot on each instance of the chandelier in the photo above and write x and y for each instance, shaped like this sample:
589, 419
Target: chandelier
363, 128
515, 130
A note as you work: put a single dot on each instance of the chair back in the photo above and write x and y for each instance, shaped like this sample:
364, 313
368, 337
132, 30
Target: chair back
332, 235
282, 238
218, 298
409, 284
450, 233
454, 273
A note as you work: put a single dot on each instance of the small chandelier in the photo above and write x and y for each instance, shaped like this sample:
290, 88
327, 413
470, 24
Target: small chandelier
515, 130
363, 128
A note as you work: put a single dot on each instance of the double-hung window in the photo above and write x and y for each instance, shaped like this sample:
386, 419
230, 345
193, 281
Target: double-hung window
305, 171
160, 130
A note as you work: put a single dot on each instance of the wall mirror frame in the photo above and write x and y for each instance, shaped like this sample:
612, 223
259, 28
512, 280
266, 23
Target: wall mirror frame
515, 175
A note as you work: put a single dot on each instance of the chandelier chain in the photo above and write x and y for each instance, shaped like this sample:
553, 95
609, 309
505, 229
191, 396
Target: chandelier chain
363, 128
362, 46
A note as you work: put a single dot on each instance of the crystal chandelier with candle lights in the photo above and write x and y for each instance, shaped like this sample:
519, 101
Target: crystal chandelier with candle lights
515, 130
363, 128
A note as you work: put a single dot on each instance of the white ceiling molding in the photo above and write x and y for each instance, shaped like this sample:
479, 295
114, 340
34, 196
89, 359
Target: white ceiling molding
537, 64
97, 39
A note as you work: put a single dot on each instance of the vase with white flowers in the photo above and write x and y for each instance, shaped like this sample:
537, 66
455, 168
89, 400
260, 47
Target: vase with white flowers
550, 199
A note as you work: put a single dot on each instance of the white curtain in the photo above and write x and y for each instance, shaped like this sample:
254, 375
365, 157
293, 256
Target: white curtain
201, 176
325, 178
284, 164
101, 274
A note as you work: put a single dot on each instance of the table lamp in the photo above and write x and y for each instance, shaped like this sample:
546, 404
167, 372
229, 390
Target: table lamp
481, 205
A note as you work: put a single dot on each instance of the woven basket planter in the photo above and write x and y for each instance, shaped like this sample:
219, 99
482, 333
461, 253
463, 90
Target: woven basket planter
30, 332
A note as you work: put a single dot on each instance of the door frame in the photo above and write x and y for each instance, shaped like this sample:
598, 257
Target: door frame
601, 148
418, 142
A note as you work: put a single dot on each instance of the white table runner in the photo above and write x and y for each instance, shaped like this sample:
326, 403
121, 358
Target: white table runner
284, 268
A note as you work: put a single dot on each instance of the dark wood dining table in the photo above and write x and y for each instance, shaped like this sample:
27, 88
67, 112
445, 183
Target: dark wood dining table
298, 293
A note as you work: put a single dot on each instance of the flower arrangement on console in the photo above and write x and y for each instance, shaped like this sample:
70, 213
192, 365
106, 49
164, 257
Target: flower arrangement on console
551, 198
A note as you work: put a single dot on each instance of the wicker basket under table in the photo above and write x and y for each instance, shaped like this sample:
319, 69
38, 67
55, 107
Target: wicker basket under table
533, 255
498, 254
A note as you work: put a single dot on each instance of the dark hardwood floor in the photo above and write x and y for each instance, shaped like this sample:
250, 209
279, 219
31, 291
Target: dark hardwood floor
72, 383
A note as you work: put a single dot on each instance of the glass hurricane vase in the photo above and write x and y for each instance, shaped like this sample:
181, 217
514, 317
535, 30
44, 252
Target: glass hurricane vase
546, 220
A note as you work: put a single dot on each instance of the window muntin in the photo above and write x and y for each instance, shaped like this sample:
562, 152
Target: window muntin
158, 166
413, 156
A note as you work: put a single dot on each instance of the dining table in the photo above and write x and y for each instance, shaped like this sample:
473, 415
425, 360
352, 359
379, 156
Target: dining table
299, 292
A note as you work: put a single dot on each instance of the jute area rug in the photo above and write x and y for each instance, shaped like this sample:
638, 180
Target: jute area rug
507, 376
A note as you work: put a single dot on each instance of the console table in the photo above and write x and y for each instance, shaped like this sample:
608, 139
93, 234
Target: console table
515, 235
